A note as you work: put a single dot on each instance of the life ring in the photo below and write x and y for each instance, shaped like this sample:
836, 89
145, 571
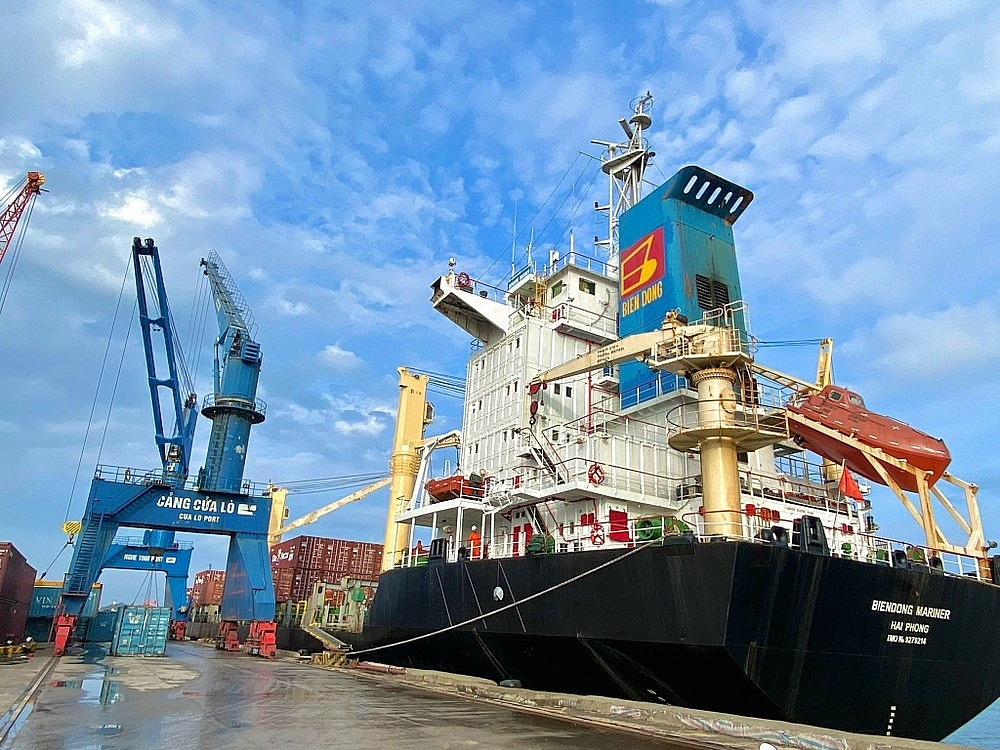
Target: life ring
464, 280
597, 535
128, 475
595, 474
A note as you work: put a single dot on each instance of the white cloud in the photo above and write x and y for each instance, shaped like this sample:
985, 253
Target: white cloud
135, 210
336, 358
369, 426
908, 347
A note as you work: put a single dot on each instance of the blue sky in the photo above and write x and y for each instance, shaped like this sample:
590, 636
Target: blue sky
336, 158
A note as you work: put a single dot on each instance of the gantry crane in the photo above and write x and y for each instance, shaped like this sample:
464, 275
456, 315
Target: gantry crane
24, 196
220, 503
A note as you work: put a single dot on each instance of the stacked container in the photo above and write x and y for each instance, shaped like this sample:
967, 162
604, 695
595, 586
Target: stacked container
300, 562
17, 581
207, 588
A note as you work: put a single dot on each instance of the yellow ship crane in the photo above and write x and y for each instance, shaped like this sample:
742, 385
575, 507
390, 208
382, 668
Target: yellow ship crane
413, 414
712, 356
279, 509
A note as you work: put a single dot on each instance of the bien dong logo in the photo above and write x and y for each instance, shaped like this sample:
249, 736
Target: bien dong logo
642, 264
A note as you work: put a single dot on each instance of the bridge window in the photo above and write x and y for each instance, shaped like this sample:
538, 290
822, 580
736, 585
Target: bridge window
588, 287
557, 289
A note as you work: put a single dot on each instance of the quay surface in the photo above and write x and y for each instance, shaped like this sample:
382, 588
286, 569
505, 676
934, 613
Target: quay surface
202, 698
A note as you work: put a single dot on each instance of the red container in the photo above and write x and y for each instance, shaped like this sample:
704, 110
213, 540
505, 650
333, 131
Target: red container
17, 578
283, 584
208, 587
301, 552
13, 618
300, 562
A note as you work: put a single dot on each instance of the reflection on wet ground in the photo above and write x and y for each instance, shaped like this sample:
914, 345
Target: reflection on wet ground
197, 697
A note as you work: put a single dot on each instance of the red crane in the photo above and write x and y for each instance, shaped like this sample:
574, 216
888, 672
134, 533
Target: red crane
24, 196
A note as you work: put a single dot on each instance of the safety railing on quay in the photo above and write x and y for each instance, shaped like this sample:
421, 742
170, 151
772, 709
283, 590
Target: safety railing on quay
155, 478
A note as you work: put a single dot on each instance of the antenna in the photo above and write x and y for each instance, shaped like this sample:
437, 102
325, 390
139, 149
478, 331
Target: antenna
624, 164
513, 245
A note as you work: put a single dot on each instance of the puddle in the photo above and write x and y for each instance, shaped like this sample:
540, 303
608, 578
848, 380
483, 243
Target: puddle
94, 689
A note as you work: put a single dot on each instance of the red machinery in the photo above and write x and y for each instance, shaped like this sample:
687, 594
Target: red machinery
24, 197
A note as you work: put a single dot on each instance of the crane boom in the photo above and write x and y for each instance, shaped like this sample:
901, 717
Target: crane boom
274, 534
233, 406
12, 213
676, 346
154, 317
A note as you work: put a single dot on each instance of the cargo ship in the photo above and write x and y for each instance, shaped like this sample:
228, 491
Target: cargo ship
640, 513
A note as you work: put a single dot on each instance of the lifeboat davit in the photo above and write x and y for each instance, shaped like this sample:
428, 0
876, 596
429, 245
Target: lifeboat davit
844, 411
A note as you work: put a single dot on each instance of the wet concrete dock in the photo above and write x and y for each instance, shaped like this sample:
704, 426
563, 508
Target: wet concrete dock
197, 697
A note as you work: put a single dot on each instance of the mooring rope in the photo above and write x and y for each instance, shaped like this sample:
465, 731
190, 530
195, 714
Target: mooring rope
527, 599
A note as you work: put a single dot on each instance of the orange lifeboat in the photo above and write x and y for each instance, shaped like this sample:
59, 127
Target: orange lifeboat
449, 488
844, 411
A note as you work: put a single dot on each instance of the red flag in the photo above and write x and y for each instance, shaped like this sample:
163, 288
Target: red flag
849, 486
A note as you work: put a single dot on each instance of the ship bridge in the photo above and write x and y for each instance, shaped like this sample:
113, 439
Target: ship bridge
479, 314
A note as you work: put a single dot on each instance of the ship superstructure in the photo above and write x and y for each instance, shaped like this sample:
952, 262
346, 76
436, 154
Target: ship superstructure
636, 514
586, 459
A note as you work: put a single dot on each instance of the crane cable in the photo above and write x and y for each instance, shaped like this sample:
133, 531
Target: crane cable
328, 484
554, 190
97, 392
198, 321
18, 243
54, 559
148, 589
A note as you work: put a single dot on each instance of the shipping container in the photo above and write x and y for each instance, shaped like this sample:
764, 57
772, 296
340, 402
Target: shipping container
336, 558
17, 578
101, 627
13, 618
39, 628
208, 587
45, 599
141, 631
283, 578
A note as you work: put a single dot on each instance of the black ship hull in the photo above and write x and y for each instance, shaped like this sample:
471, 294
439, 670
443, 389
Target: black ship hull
735, 627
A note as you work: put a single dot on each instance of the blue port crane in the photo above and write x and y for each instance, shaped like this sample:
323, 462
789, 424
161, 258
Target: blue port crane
165, 500
156, 323
233, 407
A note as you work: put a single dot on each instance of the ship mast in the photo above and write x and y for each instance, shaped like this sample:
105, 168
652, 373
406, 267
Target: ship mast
625, 164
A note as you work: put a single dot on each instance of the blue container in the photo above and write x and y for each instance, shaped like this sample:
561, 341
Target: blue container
44, 599
141, 631
101, 627
46, 596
